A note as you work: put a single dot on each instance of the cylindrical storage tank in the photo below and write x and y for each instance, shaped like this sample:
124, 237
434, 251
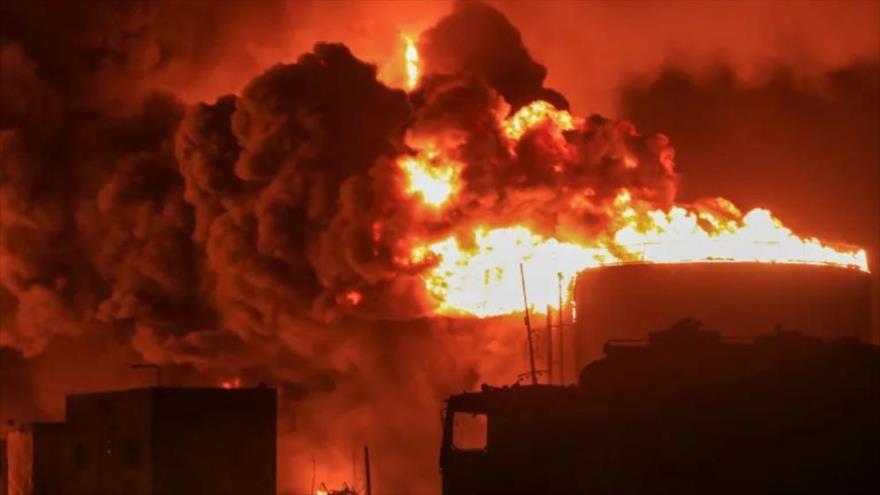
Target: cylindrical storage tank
735, 299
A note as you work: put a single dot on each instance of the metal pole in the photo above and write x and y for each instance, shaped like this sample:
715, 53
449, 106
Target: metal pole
314, 469
522, 277
367, 470
549, 344
561, 335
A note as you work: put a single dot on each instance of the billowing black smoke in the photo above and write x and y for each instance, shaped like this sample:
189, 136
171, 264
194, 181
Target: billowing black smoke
478, 40
220, 238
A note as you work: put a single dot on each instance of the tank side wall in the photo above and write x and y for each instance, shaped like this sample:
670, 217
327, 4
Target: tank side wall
736, 299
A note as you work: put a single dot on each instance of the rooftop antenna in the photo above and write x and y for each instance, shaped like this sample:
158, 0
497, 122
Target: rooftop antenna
151, 366
354, 474
314, 469
549, 344
561, 335
369, 487
522, 277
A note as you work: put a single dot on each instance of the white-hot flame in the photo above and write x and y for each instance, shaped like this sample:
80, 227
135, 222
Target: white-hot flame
411, 58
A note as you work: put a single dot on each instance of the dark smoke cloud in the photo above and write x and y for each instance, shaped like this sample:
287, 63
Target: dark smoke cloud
171, 193
33, 217
102, 53
17, 386
477, 39
274, 177
502, 186
135, 228
219, 238
593, 48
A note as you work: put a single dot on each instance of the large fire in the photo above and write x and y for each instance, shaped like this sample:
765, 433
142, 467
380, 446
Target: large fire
429, 176
411, 58
533, 114
476, 272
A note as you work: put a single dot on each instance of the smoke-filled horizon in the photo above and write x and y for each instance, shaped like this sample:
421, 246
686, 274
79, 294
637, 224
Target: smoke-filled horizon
202, 50
205, 187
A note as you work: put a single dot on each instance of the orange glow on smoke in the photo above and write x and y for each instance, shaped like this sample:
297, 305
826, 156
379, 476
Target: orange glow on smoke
429, 177
532, 115
354, 297
231, 383
475, 271
411, 57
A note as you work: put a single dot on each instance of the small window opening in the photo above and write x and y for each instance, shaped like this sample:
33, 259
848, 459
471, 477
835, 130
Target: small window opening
469, 431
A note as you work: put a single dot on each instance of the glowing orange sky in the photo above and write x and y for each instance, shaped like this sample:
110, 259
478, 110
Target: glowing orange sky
588, 47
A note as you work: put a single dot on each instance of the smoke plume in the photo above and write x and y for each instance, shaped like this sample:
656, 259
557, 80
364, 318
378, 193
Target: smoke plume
262, 232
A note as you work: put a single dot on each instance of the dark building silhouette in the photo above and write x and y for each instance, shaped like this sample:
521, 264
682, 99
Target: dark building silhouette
735, 298
682, 412
151, 441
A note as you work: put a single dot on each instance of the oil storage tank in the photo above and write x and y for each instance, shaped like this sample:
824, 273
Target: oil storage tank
735, 298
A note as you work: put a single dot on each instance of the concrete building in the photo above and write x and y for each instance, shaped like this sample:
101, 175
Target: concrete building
150, 441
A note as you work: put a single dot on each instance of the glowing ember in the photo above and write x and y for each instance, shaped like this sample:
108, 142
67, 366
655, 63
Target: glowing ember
231, 383
429, 178
411, 57
354, 297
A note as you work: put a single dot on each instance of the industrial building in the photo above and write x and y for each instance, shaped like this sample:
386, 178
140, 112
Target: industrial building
683, 411
788, 401
150, 441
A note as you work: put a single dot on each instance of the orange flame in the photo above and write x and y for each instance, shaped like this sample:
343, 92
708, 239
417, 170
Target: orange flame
411, 57
353, 297
683, 235
231, 383
429, 177
532, 115
480, 277
475, 271
483, 279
